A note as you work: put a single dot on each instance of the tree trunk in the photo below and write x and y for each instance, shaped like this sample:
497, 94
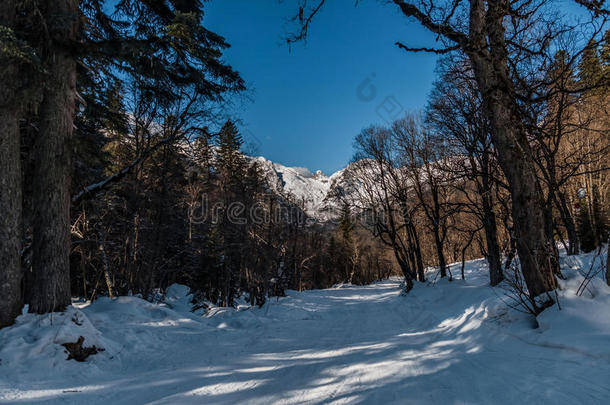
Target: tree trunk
536, 253
10, 182
406, 272
10, 217
569, 224
414, 246
415, 251
442, 263
549, 229
107, 275
420, 263
489, 58
50, 288
403, 263
496, 275
493, 249
608, 262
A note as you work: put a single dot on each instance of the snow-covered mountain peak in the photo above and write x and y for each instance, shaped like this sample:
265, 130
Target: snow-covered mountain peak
307, 189
319, 175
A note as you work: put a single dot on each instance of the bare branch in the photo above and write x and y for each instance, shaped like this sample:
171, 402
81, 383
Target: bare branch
424, 19
429, 50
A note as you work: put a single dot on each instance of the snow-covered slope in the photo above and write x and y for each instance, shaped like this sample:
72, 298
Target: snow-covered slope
446, 342
309, 190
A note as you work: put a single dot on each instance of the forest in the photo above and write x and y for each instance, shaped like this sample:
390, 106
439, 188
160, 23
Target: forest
122, 176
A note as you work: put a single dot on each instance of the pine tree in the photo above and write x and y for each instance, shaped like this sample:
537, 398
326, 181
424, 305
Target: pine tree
346, 225
585, 230
231, 168
231, 162
560, 73
203, 150
592, 223
16, 62
348, 249
162, 45
590, 68
332, 254
605, 58
229, 143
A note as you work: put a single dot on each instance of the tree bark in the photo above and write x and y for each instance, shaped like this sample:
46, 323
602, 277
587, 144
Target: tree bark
496, 275
50, 285
107, 275
608, 263
421, 276
10, 217
442, 263
406, 271
414, 248
493, 249
10, 182
489, 59
536, 253
568, 222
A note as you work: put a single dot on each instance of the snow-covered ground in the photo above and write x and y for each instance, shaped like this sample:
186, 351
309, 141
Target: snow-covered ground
449, 342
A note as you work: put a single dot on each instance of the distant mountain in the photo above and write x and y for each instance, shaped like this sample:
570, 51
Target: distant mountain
312, 191
321, 196
316, 193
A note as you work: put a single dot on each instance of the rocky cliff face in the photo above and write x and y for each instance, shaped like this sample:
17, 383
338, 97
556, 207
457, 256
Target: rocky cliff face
314, 192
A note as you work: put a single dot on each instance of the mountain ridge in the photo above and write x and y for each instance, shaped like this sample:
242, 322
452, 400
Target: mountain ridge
313, 191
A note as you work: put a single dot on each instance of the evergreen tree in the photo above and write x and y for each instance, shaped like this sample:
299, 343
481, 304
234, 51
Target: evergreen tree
585, 230
346, 225
605, 58
590, 68
346, 256
332, 254
18, 63
592, 223
204, 155
231, 169
230, 142
161, 43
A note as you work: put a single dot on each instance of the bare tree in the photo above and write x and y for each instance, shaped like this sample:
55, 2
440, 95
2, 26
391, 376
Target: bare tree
497, 37
382, 195
420, 157
455, 112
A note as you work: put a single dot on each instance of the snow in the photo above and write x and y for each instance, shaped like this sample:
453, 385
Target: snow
311, 190
445, 342
320, 195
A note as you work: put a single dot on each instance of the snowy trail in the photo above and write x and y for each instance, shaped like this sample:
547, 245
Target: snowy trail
451, 343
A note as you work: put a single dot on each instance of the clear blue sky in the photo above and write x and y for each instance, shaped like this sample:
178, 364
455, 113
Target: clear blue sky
305, 109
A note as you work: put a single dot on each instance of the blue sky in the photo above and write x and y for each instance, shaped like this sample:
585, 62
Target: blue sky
307, 106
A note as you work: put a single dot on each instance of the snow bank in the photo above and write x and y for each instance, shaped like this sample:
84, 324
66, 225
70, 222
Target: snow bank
37, 339
179, 298
579, 323
34, 343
